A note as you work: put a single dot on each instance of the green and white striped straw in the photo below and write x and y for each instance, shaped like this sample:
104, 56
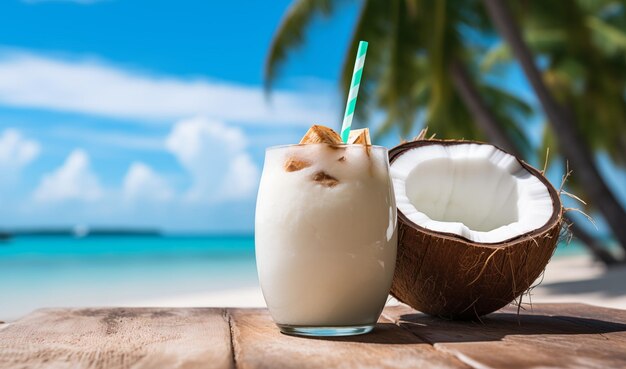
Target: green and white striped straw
354, 90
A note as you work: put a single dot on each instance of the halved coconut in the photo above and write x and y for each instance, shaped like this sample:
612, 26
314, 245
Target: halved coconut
476, 226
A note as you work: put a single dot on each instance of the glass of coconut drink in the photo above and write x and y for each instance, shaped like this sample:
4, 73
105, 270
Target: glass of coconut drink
325, 233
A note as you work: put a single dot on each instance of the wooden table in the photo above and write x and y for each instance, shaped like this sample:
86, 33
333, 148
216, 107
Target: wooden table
553, 335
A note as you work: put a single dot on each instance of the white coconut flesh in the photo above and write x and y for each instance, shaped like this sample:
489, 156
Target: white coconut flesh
476, 191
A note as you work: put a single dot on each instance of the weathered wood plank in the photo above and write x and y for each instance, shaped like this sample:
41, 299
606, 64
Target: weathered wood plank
599, 318
506, 340
258, 344
553, 335
118, 338
574, 310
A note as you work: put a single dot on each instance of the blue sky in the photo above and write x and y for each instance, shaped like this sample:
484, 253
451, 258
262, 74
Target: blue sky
151, 113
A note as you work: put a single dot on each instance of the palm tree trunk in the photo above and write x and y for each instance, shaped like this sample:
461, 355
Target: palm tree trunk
483, 117
490, 126
570, 142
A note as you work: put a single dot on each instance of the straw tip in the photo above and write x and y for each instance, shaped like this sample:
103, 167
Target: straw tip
362, 48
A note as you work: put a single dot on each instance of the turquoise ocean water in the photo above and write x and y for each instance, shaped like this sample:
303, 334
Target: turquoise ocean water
64, 271
43, 271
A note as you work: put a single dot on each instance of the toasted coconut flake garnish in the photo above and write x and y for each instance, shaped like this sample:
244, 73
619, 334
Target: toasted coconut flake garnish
294, 165
325, 179
336, 147
360, 137
321, 134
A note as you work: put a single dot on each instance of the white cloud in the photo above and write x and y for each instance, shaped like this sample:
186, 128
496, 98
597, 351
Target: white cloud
125, 140
92, 87
215, 155
16, 151
143, 183
74, 180
241, 178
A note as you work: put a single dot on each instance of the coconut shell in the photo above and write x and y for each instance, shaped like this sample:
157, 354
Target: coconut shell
449, 276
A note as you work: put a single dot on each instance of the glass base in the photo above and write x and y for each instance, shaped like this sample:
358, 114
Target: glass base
325, 331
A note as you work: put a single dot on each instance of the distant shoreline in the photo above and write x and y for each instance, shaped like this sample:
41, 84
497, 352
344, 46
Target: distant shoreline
74, 232
6, 235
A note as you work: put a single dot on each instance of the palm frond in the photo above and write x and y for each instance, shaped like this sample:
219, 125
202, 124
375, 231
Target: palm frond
548, 142
497, 54
290, 33
506, 101
372, 25
611, 38
400, 74
437, 57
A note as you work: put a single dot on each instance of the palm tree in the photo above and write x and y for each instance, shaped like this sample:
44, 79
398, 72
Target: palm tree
563, 121
410, 72
584, 48
584, 51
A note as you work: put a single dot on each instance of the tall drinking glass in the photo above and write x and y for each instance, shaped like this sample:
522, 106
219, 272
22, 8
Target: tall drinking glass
325, 237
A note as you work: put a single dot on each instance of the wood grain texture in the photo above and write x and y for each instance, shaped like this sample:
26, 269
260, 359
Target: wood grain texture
551, 335
574, 310
259, 344
530, 340
118, 338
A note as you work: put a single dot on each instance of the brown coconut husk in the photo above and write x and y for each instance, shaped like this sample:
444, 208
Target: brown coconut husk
449, 276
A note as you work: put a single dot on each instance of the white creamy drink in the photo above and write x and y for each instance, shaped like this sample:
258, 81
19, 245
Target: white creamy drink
325, 236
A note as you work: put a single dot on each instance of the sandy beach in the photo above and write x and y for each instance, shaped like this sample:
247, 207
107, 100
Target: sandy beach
567, 279
580, 279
